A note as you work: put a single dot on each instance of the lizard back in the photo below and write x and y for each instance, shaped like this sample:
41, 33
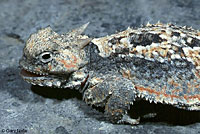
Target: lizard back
162, 61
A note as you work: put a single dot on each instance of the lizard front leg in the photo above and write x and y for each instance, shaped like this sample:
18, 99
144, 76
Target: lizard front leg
115, 93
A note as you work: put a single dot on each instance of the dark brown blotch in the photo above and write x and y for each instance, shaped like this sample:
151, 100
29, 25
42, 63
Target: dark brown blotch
144, 39
194, 43
176, 34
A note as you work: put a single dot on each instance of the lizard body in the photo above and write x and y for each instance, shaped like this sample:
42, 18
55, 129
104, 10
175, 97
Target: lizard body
157, 62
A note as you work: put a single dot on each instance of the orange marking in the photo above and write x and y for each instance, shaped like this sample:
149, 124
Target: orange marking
113, 111
175, 90
182, 55
191, 88
133, 51
152, 91
83, 82
71, 64
68, 65
38, 69
50, 67
172, 82
194, 97
98, 79
148, 90
163, 53
74, 59
193, 54
164, 88
176, 84
197, 74
144, 51
126, 74
116, 111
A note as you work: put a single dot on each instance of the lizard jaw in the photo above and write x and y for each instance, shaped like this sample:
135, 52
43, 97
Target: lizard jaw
26, 73
74, 81
39, 79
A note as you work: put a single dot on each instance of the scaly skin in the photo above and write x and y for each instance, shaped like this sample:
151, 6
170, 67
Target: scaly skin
158, 63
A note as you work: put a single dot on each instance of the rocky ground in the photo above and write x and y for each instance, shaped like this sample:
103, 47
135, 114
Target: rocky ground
36, 110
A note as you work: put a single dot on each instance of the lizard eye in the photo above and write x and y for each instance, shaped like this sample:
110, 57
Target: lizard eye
46, 57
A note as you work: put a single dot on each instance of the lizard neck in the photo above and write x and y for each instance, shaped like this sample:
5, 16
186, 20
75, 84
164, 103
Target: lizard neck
99, 64
77, 79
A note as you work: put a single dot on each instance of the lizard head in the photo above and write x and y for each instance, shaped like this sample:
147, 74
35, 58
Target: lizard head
50, 59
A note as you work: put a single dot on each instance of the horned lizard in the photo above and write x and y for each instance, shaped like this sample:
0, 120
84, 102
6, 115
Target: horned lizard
159, 63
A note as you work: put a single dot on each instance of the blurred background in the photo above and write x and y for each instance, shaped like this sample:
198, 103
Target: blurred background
38, 112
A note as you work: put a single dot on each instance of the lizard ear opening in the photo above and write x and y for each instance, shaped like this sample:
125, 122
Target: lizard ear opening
79, 30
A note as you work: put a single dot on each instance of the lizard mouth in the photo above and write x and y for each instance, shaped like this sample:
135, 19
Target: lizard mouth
40, 79
29, 74
26, 73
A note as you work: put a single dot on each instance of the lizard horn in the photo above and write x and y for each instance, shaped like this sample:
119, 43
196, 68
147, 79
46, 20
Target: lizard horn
83, 42
79, 30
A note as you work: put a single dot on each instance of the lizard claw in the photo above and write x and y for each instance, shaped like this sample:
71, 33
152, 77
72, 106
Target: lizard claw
128, 119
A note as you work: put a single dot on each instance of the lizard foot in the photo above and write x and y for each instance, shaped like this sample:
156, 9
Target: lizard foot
128, 119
